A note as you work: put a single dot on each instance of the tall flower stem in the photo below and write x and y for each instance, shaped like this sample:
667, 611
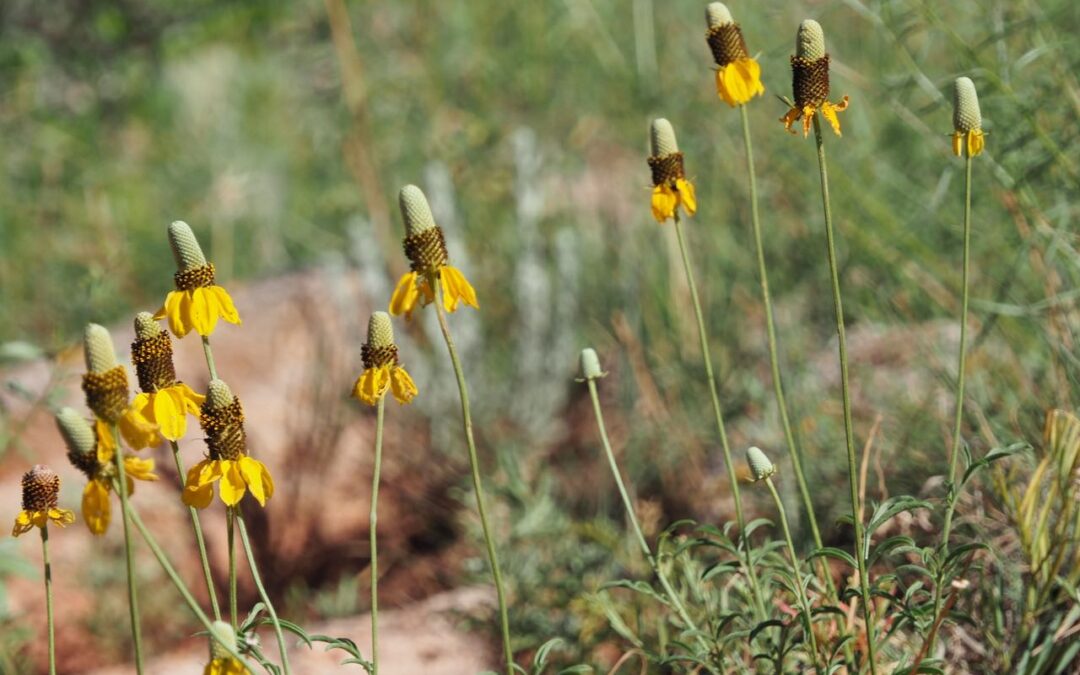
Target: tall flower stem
230, 519
196, 525
48, 598
171, 572
282, 649
673, 597
373, 521
478, 488
209, 354
953, 497
799, 588
129, 553
845, 387
703, 336
774, 358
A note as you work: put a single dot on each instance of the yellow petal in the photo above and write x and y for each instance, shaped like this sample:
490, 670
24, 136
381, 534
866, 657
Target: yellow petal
958, 143
192, 401
140, 469
177, 309
257, 478
225, 306
459, 286
96, 509
750, 70
722, 88
138, 431
975, 142
405, 295
829, 112
807, 119
403, 386
232, 486
22, 524
372, 384
106, 442
199, 493
62, 517
203, 311
170, 413
687, 195
664, 202
790, 118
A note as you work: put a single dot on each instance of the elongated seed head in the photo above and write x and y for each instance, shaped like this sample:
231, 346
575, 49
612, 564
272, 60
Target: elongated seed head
810, 42
966, 113
415, 210
590, 364
146, 327
224, 634
380, 332
218, 395
40, 489
98, 349
760, 466
185, 246
77, 432
662, 138
717, 14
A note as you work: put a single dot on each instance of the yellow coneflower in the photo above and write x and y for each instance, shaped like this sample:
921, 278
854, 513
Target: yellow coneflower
738, 76
87, 454
197, 301
810, 81
164, 401
40, 494
425, 246
382, 369
222, 419
106, 387
967, 119
671, 189
221, 661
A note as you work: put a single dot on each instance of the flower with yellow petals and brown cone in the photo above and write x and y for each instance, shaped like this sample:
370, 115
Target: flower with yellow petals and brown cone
968, 135
164, 401
105, 384
382, 368
222, 420
40, 494
671, 189
425, 247
810, 81
88, 454
738, 76
197, 303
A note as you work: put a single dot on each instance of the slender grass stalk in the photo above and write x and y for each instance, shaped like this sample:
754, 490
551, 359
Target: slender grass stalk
800, 589
196, 525
774, 358
230, 519
48, 598
171, 572
845, 388
703, 336
373, 521
478, 488
209, 354
673, 597
238, 518
129, 553
953, 496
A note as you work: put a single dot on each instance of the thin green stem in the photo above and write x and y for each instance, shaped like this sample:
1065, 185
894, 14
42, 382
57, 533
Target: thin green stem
673, 597
478, 488
373, 521
129, 553
774, 358
703, 336
230, 519
238, 518
196, 525
845, 388
209, 354
170, 571
954, 453
799, 588
48, 598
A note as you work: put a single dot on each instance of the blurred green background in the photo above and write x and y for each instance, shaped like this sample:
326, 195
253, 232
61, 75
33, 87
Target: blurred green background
282, 131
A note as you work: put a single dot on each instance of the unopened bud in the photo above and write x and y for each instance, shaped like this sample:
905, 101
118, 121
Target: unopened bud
78, 434
222, 640
590, 364
98, 348
760, 466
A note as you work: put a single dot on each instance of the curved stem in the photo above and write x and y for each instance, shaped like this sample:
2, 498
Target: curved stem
196, 525
478, 488
800, 589
48, 598
121, 486
373, 521
230, 519
676, 602
845, 388
718, 413
238, 518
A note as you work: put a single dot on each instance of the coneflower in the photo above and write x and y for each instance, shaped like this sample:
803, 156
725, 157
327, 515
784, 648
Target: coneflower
164, 400
198, 302
810, 81
738, 76
382, 367
671, 189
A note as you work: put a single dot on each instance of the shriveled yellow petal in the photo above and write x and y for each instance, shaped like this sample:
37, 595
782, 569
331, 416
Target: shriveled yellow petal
225, 307
140, 469
402, 385
96, 509
232, 486
62, 517
23, 524
664, 202
790, 118
372, 384
807, 119
687, 195
405, 295
257, 478
828, 111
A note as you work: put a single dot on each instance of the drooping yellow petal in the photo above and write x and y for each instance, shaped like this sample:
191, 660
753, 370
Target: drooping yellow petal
192, 401
958, 143
807, 119
975, 142
96, 509
664, 202
177, 309
225, 306
23, 524
750, 71
739, 81
140, 469
203, 311
257, 477
687, 195
106, 442
405, 295
372, 384
790, 118
199, 492
170, 414
232, 486
828, 111
62, 517
402, 385
138, 431
458, 287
